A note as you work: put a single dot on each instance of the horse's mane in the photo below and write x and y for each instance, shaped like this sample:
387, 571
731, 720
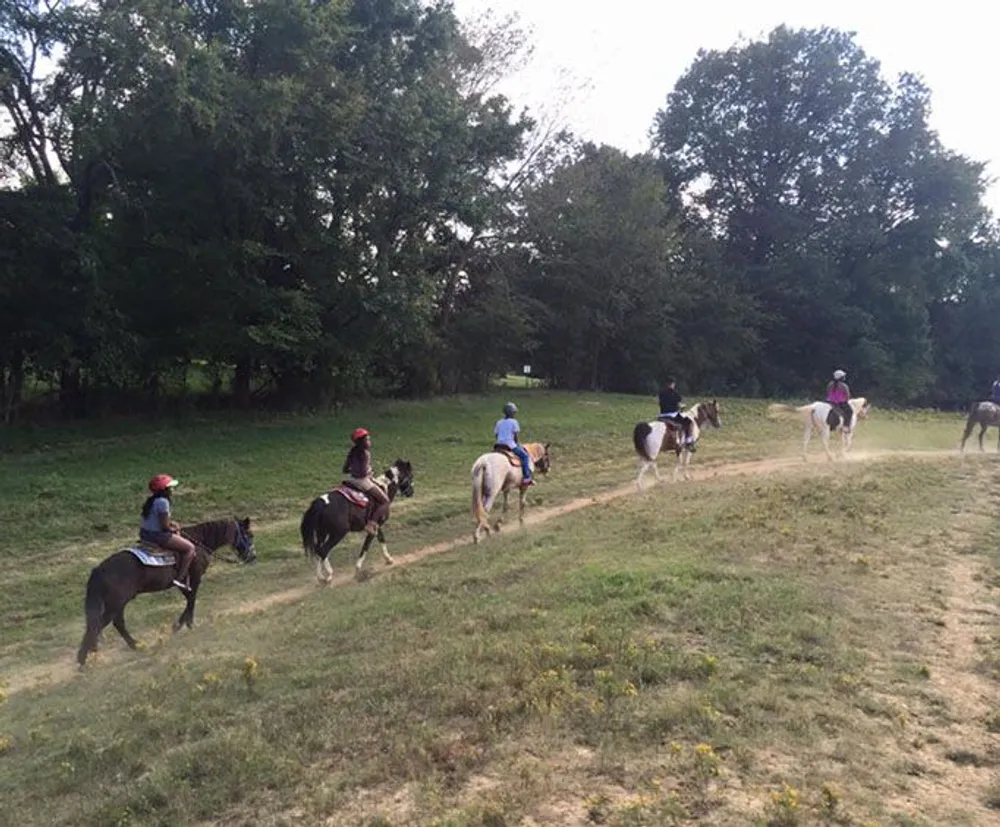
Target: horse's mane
536, 449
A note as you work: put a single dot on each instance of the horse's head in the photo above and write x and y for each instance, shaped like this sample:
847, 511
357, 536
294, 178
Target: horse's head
861, 406
543, 461
709, 412
243, 540
400, 474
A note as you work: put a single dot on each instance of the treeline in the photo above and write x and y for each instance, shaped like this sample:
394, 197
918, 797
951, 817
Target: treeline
298, 202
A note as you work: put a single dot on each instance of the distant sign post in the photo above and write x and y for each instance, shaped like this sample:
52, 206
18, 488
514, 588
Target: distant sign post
527, 375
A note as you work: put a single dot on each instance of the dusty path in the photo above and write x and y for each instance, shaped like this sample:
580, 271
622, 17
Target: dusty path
64, 669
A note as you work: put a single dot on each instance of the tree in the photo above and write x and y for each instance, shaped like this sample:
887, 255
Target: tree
829, 194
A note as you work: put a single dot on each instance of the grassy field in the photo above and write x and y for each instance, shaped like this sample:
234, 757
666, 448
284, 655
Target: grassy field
792, 644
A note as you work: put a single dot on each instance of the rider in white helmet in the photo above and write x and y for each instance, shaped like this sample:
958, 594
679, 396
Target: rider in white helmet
838, 394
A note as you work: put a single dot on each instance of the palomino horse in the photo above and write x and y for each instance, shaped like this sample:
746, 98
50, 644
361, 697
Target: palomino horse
816, 416
497, 473
332, 516
143, 568
983, 414
650, 438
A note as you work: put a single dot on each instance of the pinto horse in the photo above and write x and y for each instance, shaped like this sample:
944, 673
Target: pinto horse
650, 438
822, 417
497, 472
983, 414
332, 516
145, 568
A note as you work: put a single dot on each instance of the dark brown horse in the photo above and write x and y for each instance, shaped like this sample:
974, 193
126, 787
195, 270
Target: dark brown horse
983, 414
332, 516
120, 577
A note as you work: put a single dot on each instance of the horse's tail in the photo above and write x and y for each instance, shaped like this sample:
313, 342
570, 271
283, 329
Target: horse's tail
639, 437
480, 484
310, 526
93, 609
778, 411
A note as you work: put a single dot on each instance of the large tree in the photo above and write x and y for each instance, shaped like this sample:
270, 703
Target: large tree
830, 195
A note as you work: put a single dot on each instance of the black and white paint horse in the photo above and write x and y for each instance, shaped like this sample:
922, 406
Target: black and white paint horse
332, 516
823, 418
651, 438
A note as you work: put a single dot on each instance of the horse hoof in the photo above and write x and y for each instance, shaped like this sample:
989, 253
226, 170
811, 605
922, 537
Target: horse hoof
389, 561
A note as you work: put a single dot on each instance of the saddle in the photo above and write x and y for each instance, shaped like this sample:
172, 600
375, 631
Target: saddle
514, 459
354, 495
835, 418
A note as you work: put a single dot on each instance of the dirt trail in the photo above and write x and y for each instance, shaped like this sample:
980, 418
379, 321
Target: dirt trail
64, 669
959, 760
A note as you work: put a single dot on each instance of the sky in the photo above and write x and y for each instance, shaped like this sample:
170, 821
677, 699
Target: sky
616, 62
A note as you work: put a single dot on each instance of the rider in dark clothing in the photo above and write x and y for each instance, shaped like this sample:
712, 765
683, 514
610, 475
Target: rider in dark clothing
670, 410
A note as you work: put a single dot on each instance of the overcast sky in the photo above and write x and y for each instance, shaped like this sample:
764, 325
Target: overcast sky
623, 57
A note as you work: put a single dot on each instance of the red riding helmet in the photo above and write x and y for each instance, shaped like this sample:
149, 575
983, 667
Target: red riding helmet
359, 433
161, 482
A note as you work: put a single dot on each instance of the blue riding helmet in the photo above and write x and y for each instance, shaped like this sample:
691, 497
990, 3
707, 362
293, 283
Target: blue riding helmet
509, 409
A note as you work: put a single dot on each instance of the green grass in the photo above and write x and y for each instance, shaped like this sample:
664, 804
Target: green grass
678, 656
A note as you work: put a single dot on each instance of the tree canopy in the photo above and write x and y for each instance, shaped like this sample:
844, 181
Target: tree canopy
298, 202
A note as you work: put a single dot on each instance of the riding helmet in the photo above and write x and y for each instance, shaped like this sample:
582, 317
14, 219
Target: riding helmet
359, 433
509, 409
161, 482
839, 375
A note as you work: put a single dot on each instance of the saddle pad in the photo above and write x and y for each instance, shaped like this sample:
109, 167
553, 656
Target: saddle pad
148, 558
352, 495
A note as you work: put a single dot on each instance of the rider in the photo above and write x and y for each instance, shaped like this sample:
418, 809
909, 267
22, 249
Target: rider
159, 529
995, 392
359, 466
506, 431
670, 410
838, 395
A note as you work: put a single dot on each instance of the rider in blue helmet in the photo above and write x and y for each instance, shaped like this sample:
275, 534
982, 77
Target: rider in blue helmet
506, 432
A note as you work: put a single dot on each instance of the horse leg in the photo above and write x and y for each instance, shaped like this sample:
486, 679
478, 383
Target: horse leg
520, 505
982, 433
643, 467
324, 571
187, 616
385, 549
806, 436
677, 466
825, 434
503, 511
367, 544
119, 621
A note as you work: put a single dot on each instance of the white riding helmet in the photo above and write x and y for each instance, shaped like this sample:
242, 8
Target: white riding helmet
839, 375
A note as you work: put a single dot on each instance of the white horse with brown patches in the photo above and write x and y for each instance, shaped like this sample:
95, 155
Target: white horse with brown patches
496, 473
651, 438
823, 418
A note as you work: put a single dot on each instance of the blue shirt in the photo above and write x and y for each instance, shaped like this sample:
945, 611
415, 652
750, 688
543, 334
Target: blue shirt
161, 505
996, 391
505, 431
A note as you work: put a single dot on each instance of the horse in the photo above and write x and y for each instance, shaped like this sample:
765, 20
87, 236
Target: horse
332, 516
497, 472
145, 568
823, 417
983, 414
650, 438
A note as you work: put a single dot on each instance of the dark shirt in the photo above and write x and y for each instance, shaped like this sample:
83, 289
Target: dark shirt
358, 463
670, 401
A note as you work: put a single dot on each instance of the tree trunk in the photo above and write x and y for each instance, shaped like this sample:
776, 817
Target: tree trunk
241, 382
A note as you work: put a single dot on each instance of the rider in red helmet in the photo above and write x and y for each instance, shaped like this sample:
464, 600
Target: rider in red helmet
359, 466
159, 529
